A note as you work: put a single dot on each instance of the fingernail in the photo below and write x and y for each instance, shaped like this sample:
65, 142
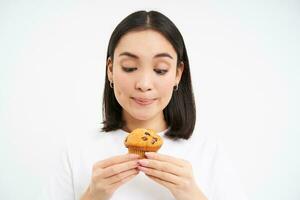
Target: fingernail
133, 156
143, 162
143, 169
149, 154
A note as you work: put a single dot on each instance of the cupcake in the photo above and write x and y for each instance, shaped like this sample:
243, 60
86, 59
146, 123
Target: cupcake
143, 140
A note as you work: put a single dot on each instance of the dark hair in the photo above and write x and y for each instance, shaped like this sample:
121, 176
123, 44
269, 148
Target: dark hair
180, 113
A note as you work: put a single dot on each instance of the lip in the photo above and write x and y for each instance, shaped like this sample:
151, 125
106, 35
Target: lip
143, 101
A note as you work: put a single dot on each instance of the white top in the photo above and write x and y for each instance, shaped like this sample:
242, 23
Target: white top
213, 172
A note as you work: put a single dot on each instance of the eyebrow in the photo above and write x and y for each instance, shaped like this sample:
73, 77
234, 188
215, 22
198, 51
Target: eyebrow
136, 57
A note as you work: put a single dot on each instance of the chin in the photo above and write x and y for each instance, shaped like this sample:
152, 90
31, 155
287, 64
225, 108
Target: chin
141, 116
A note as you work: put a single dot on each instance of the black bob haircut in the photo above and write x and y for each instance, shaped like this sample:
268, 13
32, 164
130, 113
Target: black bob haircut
180, 113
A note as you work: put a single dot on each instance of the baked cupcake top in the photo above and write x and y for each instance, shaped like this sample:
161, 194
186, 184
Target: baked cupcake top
142, 137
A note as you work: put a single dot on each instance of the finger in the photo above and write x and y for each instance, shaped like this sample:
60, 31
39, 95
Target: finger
161, 175
118, 177
123, 181
162, 166
162, 182
116, 159
118, 168
166, 158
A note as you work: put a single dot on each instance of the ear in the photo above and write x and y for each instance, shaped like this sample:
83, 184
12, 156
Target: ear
179, 72
109, 65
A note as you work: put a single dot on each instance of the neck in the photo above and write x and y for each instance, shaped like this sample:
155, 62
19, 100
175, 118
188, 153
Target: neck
157, 123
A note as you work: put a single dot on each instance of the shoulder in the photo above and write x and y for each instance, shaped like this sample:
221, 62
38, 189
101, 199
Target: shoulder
204, 140
207, 149
92, 145
89, 139
90, 136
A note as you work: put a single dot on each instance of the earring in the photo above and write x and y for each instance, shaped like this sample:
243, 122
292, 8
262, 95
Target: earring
175, 88
111, 84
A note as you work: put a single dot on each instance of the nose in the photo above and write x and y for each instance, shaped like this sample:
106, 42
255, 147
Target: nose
144, 82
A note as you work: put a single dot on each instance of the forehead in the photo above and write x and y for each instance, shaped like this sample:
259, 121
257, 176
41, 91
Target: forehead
145, 43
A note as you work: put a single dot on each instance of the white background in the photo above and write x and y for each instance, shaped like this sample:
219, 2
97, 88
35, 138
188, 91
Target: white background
244, 58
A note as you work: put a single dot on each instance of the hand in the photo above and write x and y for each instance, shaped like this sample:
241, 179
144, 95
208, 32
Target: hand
173, 173
108, 175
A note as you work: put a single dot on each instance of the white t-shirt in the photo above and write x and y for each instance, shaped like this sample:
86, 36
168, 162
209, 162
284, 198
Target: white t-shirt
213, 172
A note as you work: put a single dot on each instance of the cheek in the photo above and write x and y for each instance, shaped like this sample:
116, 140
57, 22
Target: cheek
165, 88
122, 85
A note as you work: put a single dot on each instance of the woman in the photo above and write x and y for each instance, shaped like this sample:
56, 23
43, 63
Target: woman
147, 85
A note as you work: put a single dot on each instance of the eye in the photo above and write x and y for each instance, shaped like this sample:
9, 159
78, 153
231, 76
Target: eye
129, 69
161, 71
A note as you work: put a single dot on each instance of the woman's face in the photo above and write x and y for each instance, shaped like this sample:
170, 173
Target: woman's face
144, 73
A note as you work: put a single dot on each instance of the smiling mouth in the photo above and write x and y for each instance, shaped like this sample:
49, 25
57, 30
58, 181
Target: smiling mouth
143, 102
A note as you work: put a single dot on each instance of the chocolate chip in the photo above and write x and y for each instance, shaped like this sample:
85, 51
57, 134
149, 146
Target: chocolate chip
153, 140
144, 138
146, 133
